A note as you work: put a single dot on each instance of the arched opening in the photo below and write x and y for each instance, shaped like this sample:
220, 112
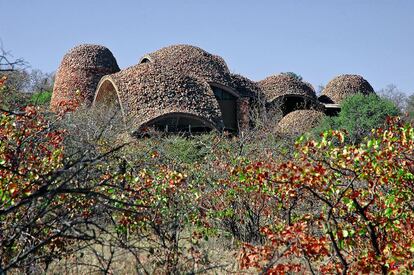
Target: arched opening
228, 105
292, 103
145, 59
106, 104
106, 96
325, 99
174, 123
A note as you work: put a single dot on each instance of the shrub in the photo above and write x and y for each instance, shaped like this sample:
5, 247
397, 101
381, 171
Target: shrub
359, 114
41, 98
365, 222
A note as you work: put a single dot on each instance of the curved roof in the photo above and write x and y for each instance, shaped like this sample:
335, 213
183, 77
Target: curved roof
245, 86
150, 90
191, 60
345, 85
276, 86
299, 122
81, 69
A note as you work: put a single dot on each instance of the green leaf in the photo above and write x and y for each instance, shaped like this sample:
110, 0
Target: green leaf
388, 212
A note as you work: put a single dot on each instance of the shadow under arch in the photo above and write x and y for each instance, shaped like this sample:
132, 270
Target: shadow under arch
145, 59
176, 122
228, 100
292, 102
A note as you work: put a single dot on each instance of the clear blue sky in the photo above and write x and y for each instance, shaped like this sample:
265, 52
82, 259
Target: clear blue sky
316, 39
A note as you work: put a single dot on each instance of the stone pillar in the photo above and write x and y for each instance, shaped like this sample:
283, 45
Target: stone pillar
243, 113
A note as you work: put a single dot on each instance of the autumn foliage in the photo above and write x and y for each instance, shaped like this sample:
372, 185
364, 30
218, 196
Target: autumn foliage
366, 215
330, 208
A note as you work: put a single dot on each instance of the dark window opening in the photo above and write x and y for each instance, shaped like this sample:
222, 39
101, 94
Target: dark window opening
325, 99
293, 103
228, 107
332, 111
145, 60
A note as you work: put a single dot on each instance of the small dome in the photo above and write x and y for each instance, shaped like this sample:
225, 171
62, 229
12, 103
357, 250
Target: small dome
280, 85
299, 122
80, 70
149, 90
343, 86
191, 60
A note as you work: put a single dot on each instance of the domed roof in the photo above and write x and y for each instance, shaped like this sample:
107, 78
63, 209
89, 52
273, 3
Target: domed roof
90, 56
191, 60
343, 86
283, 84
245, 86
149, 90
80, 70
299, 122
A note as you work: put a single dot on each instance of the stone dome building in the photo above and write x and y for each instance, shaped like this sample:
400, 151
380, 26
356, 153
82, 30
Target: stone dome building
150, 94
289, 93
80, 70
182, 88
343, 86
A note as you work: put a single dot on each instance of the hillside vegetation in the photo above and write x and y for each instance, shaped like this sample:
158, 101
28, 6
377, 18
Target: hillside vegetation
78, 194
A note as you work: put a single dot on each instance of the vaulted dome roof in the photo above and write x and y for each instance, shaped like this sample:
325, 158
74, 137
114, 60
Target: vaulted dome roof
191, 60
343, 86
283, 84
149, 90
80, 70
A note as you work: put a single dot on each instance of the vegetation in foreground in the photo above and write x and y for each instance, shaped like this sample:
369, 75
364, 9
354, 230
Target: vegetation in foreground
79, 196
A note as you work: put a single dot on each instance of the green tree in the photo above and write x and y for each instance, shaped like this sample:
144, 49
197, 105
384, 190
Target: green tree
295, 75
359, 114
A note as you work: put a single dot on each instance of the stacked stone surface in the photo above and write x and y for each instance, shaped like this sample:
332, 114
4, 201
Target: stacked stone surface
149, 90
343, 86
299, 122
183, 79
191, 60
79, 73
281, 85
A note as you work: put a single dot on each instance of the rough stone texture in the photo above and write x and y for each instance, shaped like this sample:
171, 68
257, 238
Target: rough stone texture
178, 79
191, 60
246, 87
280, 85
243, 113
345, 85
150, 90
299, 122
81, 69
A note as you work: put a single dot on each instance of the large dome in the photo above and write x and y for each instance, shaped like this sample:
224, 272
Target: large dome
191, 60
299, 122
80, 70
343, 86
283, 84
149, 90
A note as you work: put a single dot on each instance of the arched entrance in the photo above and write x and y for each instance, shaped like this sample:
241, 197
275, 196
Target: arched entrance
174, 123
106, 96
228, 105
